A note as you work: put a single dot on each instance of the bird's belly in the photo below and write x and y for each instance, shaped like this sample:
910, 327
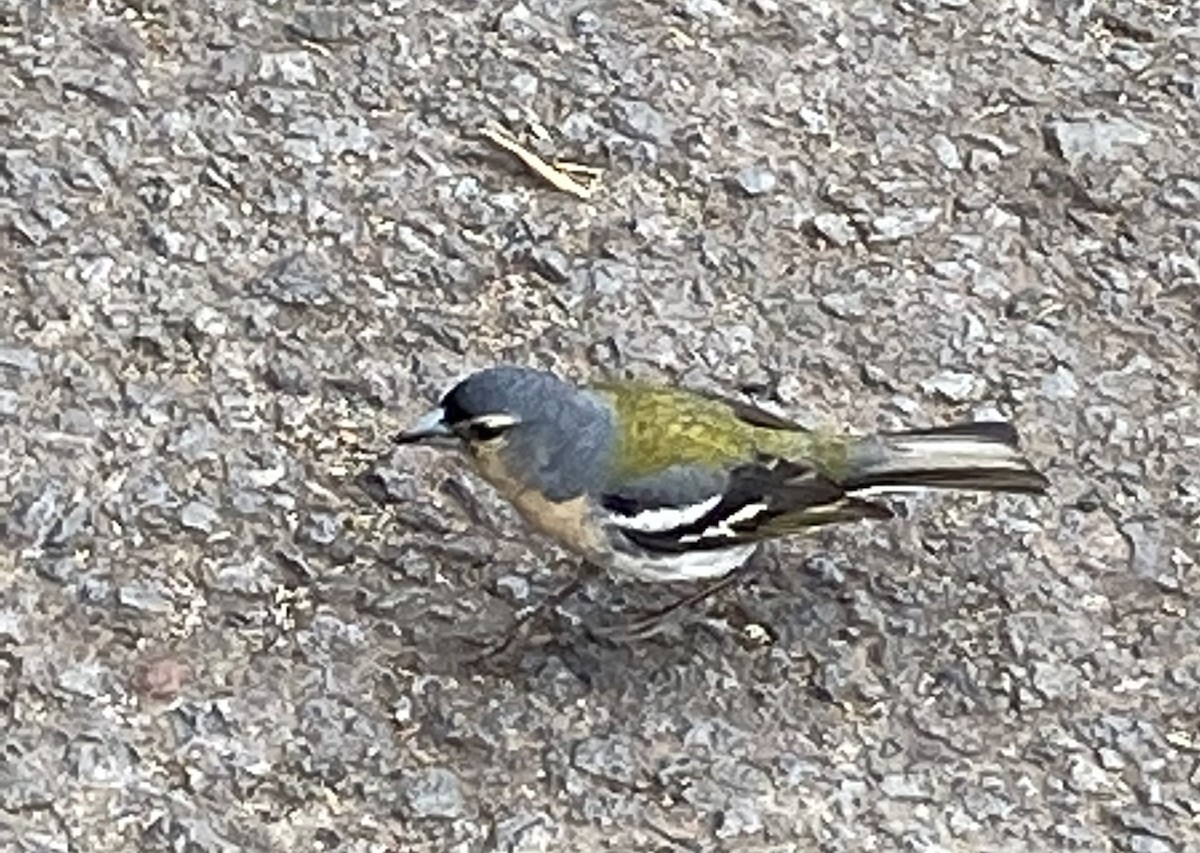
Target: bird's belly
693, 565
569, 523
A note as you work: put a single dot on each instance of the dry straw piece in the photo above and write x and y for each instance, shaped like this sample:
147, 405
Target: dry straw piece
574, 178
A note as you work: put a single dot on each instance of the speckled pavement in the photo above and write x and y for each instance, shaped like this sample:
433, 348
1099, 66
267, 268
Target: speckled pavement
242, 243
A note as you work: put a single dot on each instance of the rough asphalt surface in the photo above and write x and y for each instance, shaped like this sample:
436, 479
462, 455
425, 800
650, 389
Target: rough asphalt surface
241, 243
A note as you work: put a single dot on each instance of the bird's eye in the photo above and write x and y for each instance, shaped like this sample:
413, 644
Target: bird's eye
485, 432
488, 427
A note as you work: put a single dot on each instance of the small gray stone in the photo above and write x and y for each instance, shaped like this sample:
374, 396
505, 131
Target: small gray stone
326, 630
402, 710
1131, 382
210, 322
1044, 51
52, 215
1131, 57
610, 278
578, 127
703, 9
523, 86
234, 66
76, 421
946, 152
303, 149
952, 385
551, 264
43, 513
1087, 777
586, 23
606, 757
513, 587
322, 528
527, 832
900, 224
11, 629
836, 228
20, 358
105, 763
324, 25
1099, 138
1110, 759
196, 515
640, 120
197, 440
1061, 384
756, 180
740, 817
998, 145
292, 68
297, 279
980, 160
253, 576
844, 306
741, 776
435, 793
150, 489
144, 596
903, 786
905, 405
1140, 843
76, 519
91, 588
88, 679
1053, 680
1182, 195
1145, 537
28, 786
30, 228
516, 22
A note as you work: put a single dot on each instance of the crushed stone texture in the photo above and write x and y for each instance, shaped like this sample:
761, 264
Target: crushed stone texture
242, 243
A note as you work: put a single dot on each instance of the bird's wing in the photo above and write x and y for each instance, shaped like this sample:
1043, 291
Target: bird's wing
752, 414
686, 508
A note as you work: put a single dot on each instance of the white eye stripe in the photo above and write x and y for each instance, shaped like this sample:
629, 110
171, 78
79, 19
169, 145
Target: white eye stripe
497, 421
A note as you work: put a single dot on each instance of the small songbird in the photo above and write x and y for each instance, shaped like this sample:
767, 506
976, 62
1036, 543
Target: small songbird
665, 484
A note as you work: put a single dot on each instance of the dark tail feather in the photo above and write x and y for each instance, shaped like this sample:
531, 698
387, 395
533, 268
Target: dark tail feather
984, 456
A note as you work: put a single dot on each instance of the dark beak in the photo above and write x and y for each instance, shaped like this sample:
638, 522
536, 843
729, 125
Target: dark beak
430, 428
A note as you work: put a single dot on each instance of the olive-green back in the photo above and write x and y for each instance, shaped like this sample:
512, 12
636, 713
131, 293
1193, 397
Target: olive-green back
659, 427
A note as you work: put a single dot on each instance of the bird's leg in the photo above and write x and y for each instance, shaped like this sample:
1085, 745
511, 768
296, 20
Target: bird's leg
548, 603
648, 625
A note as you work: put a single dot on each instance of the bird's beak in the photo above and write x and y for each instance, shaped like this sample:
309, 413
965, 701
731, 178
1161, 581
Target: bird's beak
429, 429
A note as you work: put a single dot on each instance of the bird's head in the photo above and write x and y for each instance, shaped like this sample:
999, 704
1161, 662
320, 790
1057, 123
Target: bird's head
543, 432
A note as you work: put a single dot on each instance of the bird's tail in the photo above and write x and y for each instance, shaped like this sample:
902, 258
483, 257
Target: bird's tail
984, 456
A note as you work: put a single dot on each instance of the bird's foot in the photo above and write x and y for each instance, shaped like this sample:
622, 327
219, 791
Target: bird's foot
655, 621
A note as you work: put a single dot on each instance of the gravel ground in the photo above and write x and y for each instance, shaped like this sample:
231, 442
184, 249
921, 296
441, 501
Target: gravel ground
243, 242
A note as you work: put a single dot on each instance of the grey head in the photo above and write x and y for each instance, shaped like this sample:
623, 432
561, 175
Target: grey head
548, 434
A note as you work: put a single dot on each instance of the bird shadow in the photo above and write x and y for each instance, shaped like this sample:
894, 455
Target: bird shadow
746, 619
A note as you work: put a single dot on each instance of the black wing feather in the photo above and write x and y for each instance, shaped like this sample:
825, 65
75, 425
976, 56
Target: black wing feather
794, 496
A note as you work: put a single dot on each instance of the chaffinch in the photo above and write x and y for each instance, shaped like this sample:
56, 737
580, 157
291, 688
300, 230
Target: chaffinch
666, 484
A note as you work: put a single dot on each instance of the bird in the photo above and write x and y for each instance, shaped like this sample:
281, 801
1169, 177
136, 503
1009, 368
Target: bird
663, 483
